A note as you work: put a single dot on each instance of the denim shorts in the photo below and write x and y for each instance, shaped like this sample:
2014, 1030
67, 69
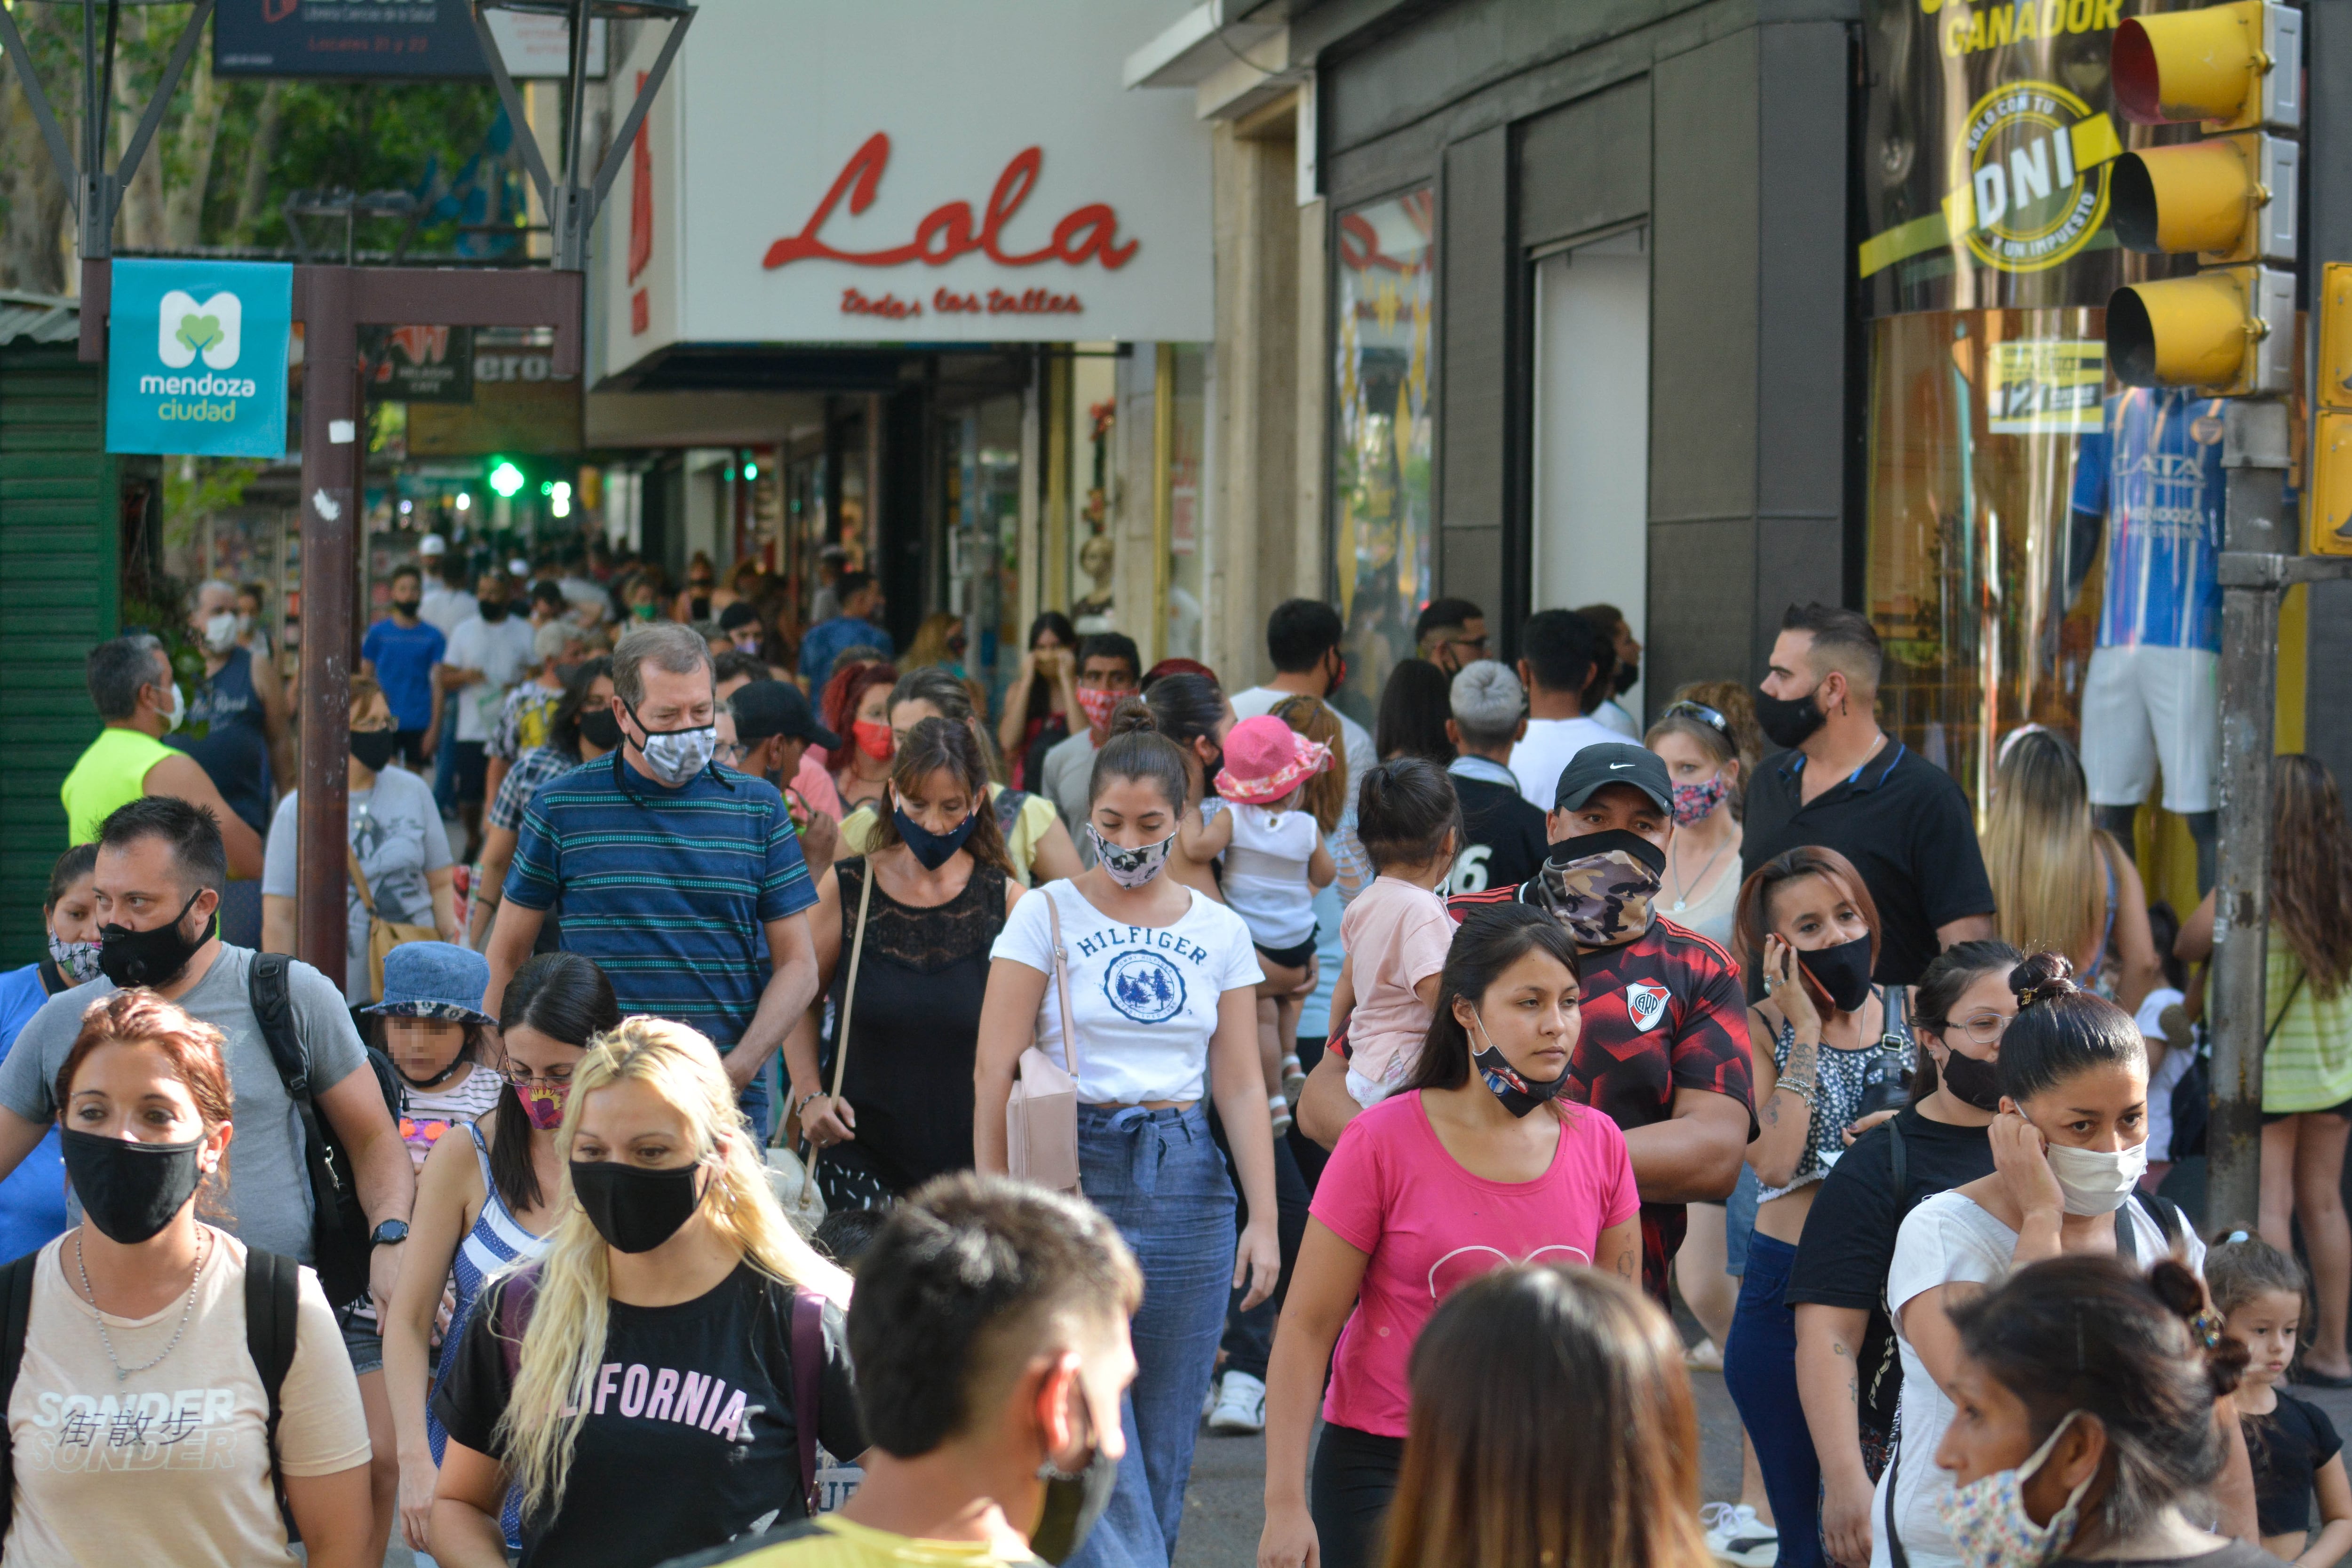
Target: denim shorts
361, 1338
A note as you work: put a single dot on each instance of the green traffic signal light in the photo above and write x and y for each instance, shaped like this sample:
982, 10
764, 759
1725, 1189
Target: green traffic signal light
506, 480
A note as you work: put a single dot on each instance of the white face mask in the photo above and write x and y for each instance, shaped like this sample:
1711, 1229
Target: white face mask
2097, 1181
179, 713
220, 632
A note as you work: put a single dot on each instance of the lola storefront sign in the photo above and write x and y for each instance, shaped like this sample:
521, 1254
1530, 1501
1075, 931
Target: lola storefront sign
920, 173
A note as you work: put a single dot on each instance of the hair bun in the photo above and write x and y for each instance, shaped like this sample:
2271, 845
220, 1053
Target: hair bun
1133, 716
2043, 977
2173, 1283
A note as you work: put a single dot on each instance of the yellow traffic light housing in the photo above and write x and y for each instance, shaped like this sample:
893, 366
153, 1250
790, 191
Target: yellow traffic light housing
2231, 199
2327, 500
2229, 332
2234, 67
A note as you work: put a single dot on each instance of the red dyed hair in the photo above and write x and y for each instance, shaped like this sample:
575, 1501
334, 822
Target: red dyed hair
843, 693
140, 1017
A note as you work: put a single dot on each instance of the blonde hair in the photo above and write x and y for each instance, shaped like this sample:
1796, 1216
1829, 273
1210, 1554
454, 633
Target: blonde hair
561, 1346
1324, 796
2040, 850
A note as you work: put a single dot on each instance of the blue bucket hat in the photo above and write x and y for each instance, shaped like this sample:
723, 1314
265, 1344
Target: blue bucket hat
434, 980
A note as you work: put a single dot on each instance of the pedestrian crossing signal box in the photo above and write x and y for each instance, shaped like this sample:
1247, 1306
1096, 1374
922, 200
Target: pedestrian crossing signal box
2229, 199
2327, 508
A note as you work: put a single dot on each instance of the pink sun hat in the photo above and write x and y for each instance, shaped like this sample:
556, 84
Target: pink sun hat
1265, 759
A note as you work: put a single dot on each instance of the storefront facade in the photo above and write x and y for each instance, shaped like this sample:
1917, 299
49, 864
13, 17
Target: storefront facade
1700, 310
979, 271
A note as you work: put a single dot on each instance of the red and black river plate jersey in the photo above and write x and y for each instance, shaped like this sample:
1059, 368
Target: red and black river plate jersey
1661, 1013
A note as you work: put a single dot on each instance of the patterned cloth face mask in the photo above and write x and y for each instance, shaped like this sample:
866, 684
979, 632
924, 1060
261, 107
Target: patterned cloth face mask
76, 961
1100, 701
1601, 885
1131, 868
676, 756
544, 1104
1988, 1521
1694, 801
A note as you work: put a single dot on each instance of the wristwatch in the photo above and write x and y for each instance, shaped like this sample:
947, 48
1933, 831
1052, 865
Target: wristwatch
389, 1233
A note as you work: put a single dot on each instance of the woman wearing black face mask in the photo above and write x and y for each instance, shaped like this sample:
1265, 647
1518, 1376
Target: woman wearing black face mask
1829, 1048
137, 1360
584, 730
931, 892
1960, 1009
1478, 1161
638, 1384
397, 842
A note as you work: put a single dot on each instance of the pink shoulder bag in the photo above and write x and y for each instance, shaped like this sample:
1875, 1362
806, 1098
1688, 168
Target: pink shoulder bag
1041, 1118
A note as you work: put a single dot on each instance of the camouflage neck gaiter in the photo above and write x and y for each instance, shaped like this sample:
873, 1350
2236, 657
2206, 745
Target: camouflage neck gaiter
1599, 886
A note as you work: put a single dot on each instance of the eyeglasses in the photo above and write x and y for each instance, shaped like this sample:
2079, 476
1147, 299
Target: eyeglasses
729, 755
522, 1077
1700, 711
1983, 1029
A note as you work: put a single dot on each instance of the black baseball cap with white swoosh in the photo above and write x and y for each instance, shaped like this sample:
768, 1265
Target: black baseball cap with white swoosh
1614, 762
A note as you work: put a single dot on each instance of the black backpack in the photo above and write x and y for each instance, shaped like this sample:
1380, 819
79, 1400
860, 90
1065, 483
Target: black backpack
272, 1289
339, 1225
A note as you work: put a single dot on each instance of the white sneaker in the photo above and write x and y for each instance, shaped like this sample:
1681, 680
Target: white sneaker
1209, 1400
1241, 1406
1734, 1535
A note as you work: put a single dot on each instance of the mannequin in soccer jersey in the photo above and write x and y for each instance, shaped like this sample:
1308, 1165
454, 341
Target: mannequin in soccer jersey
2148, 482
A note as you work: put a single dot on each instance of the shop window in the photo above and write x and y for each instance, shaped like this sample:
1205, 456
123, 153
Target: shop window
1385, 397
1187, 501
1987, 608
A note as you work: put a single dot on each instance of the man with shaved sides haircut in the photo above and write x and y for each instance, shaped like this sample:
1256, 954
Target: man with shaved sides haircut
1842, 783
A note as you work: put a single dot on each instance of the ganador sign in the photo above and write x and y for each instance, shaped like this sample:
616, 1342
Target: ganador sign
1990, 133
195, 358
924, 201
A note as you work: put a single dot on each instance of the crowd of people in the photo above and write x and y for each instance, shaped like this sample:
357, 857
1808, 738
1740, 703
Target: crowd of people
787, 1105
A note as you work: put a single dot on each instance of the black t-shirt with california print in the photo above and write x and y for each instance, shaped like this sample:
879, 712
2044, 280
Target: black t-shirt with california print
689, 1440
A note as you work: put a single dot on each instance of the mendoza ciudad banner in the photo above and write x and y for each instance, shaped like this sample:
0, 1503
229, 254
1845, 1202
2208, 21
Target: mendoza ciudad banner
195, 358
1990, 131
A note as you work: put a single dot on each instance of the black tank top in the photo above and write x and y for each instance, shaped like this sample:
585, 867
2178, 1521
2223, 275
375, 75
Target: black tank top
915, 1027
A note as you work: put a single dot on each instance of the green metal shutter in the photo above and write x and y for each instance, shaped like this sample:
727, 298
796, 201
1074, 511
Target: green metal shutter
61, 595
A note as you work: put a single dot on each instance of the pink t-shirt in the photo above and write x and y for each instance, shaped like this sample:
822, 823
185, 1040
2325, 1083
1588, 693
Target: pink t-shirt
1392, 1190
816, 784
1395, 936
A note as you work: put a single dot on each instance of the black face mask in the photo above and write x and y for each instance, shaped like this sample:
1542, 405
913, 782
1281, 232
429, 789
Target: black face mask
633, 1208
1788, 721
1843, 972
600, 728
155, 957
372, 748
932, 849
1074, 1502
130, 1191
409, 607
1629, 676
1972, 1080
491, 610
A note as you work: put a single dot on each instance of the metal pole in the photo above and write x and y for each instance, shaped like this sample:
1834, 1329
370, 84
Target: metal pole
2258, 533
330, 450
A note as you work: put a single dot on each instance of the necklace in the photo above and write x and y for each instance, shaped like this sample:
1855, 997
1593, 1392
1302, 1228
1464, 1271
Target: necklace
122, 1372
1681, 888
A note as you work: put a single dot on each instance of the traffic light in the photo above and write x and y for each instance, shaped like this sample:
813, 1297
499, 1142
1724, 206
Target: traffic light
2231, 199
2327, 508
504, 478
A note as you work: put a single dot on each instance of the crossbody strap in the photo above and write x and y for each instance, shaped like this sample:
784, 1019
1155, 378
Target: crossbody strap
849, 988
359, 881
807, 1358
1062, 984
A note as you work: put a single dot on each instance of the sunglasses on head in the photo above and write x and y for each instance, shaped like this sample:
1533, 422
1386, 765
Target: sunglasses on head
1700, 711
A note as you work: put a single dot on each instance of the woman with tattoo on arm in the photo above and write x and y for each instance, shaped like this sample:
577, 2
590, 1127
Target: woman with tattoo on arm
1847, 1369
1477, 1161
1830, 1049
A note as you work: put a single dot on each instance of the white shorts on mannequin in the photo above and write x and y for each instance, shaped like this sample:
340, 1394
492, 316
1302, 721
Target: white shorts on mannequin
2143, 706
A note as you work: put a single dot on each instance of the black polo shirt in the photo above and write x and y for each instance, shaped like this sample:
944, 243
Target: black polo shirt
1907, 828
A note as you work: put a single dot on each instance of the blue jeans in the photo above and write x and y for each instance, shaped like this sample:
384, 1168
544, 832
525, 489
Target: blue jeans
753, 1103
1739, 1220
1759, 1368
1157, 1174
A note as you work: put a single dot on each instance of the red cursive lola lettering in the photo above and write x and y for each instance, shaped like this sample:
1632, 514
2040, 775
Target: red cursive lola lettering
947, 232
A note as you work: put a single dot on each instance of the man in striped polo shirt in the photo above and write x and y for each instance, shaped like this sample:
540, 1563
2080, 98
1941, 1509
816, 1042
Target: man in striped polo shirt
682, 880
